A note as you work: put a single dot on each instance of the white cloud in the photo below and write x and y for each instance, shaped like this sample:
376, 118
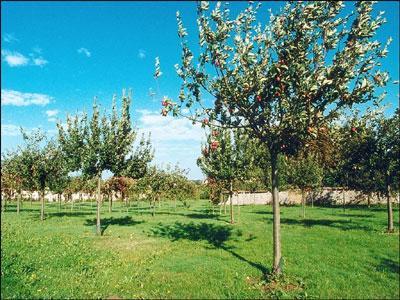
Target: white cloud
10, 130
39, 61
84, 51
144, 111
9, 38
14, 59
169, 128
16, 98
141, 54
52, 113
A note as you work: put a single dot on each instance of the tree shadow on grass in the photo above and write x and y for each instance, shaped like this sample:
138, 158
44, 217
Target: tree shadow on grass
122, 221
202, 216
215, 235
195, 215
340, 224
355, 215
390, 265
261, 212
69, 214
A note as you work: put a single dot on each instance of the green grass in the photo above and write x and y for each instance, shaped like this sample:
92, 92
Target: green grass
190, 253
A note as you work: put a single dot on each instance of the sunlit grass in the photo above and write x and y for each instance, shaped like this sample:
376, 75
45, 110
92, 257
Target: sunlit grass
191, 253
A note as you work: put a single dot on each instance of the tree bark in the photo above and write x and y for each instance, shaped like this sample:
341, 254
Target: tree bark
225, 200
344, 199
369, 200
3, 207
230, 201
154, 208
238, 208
18, 202
276, 214
312, 200
389, 210
98, 224
42, 205
303, 205
59, 201
110, 196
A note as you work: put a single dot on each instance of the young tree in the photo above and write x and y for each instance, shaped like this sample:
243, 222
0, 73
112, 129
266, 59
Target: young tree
95, 145
227, 157
11, 177
387, 159
280, 81
178, 186
153, 186
42, 161
305, 174
372, 162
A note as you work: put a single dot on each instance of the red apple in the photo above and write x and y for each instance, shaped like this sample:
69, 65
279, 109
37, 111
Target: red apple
164, 112
214, 145
353, 129
205, 121
258, 98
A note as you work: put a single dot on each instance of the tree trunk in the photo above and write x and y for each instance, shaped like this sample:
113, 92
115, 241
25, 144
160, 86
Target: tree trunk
110, 203
312, 200
389, 210
230, 202
18, 202
98, 225
42, 205
225, 200
276, 214
3, 207
344, 199
153, 212
59, 201
303, 205
238, 208
369, 200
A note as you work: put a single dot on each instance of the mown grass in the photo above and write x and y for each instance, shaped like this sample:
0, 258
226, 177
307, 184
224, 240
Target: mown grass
191, 253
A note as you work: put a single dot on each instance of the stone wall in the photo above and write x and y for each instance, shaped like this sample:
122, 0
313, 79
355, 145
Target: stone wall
324, 196
290, 197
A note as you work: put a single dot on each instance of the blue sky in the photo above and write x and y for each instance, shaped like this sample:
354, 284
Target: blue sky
57, 56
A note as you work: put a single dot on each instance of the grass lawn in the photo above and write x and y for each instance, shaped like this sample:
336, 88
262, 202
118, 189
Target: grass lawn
190, 253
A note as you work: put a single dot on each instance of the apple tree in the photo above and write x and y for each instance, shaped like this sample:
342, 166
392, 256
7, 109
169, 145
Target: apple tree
280, 80
227, 157
96, 144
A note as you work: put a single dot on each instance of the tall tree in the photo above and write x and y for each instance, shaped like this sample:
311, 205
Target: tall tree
96, 144
282, 80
